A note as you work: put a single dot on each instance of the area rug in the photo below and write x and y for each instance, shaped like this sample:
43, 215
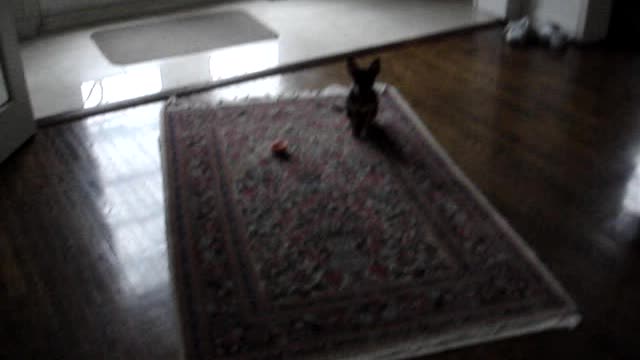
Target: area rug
179, 36
346, 248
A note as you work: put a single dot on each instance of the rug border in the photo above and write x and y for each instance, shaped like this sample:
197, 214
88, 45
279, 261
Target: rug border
184, 334
565, 318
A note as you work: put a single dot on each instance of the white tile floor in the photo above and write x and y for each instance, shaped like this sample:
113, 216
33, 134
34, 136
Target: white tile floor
67, 72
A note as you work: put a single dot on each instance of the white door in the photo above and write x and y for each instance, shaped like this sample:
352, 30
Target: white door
16, 116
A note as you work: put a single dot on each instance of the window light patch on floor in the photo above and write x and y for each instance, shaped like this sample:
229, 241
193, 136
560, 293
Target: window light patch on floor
134, 82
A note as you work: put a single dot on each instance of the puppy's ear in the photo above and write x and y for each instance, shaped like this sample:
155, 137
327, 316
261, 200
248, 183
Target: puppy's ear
374, 68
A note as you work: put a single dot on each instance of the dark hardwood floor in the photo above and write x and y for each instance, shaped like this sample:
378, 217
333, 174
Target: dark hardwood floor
552, 139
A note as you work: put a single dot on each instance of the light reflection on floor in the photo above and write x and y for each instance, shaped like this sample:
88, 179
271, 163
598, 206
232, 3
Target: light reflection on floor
136, 81
243, 59
4, 93
631, 202
131, 193
626, 225
132, 198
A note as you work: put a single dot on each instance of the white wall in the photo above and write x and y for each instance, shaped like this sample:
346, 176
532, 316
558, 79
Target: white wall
4, 95
501, 8
584, 20
569, 14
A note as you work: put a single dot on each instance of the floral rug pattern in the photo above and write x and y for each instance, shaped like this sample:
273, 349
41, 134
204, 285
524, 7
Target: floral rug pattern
346, 247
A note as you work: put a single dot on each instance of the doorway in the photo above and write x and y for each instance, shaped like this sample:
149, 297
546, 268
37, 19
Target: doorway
69, 76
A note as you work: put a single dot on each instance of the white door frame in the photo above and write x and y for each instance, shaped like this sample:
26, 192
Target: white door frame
16, 117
